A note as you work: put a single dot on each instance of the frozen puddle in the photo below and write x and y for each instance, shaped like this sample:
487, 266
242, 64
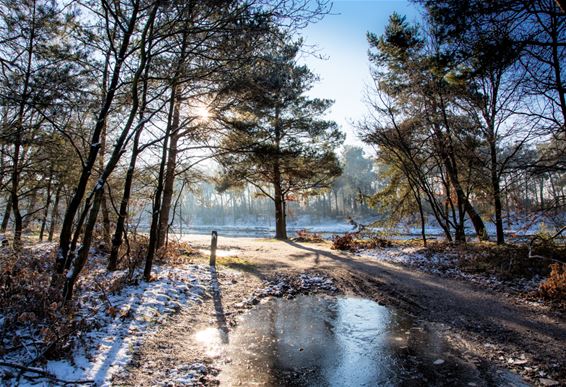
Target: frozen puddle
328, 341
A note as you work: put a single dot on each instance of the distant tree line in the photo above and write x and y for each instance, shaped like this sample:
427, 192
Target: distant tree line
210, 202
468, 111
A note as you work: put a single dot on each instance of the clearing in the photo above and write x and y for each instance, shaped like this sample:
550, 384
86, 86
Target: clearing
487, 328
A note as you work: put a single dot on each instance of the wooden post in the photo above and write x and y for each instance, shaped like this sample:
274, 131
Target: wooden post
213, 245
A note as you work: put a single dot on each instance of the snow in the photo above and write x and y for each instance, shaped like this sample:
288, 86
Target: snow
187, 374
120, 323
445, 264
311, 281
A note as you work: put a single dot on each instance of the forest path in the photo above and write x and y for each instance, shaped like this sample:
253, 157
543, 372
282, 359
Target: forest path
480, 321
487, 328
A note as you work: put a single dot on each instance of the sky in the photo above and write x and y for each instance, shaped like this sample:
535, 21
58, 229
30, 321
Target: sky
341, 38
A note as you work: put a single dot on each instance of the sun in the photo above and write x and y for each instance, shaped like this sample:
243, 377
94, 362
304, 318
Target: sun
201, 113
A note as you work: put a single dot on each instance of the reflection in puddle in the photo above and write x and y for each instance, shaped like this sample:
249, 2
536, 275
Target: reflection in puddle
327, 341
211, 339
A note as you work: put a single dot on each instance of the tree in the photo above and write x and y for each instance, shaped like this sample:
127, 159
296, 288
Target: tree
410, 73
510, 58
39, 63
276, 135
536, 30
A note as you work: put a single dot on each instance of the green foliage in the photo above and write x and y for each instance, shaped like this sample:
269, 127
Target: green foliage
275, 133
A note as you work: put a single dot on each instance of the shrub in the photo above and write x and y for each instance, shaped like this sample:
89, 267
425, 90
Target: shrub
307, 236
554, 287
345, 242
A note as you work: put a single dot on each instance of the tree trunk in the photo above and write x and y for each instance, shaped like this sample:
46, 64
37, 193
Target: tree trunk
173, 112
7, 212
18, 220
557, 61
123, 212
463, 200
47, 204
54, 214
82, 255
418, 199
104, 200
169, 181
496, 194
280, 221
541, 193
118, 150
336, 202
154, 230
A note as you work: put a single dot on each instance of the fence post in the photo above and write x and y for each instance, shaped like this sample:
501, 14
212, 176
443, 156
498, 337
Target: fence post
213, 245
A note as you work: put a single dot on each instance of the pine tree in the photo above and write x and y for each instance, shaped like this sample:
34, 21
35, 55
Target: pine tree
278, 140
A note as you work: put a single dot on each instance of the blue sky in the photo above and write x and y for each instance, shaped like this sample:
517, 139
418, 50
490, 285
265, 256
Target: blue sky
341, 38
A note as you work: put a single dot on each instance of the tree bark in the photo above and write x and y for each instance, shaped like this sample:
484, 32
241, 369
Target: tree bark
47, 204
112, 162
7, 212
154, 230
279, 200
82, 255
123, 212
169, 180
418, 199
173, 116
104, 200
18, 220
54, 214
495, 184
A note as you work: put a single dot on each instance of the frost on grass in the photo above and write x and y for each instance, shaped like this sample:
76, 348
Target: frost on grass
447, 264
118, 323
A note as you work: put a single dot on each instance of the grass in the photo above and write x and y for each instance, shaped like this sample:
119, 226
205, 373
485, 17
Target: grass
237, 263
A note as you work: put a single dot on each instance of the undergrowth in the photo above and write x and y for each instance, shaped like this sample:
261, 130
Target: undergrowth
353, 242
554, 287
31, 303
307, 236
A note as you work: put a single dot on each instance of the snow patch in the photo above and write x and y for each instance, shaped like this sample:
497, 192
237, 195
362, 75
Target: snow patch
120, 322
446, 264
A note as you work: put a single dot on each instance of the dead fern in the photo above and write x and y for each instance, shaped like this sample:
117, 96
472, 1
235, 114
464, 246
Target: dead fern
554, 288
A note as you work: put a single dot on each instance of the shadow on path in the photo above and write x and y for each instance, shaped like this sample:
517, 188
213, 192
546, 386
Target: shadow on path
453, 301
218, 308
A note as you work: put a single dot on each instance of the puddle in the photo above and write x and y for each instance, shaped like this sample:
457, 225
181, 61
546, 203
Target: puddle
328, 341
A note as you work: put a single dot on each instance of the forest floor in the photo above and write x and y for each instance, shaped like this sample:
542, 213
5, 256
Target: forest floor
487, 321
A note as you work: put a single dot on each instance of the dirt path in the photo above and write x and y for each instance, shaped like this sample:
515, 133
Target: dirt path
484, 326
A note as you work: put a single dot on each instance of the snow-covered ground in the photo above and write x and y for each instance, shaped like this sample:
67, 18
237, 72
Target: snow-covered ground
117, 325
445, 264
